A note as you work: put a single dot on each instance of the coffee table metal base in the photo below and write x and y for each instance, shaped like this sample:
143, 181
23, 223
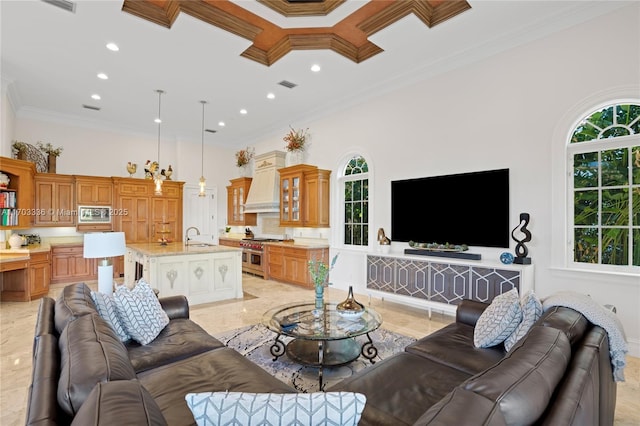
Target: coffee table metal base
320, 353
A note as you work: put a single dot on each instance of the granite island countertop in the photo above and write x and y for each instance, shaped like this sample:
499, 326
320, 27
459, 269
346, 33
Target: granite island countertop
177, 249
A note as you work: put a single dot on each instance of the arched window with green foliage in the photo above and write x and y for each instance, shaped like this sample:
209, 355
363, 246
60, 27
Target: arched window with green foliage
355, 179
604, 153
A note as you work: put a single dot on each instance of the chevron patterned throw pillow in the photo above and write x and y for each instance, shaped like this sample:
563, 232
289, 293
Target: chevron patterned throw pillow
140, 311
499, 320
247, 409
106, 306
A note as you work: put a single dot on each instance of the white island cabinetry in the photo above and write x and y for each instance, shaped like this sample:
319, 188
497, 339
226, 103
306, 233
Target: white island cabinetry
202, 274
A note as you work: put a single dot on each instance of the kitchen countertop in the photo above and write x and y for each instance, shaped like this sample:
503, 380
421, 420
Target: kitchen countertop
45, 246
175, 249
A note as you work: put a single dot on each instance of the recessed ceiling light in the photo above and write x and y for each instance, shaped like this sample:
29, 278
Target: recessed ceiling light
243, 111
315, 68
157, 120
113, 47
221, 123
103, 76
271, 96
96, 97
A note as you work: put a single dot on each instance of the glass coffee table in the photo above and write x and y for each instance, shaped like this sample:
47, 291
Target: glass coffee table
321, 338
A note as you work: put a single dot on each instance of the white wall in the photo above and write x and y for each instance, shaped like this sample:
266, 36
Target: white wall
506, 111
501, 112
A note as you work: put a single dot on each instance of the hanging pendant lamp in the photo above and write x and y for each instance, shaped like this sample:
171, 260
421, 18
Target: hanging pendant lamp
202, 180
157, 176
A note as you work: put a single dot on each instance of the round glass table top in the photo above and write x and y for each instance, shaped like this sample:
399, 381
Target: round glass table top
301, 321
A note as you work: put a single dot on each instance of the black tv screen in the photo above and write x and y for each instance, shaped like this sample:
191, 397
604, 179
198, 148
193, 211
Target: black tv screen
467, 208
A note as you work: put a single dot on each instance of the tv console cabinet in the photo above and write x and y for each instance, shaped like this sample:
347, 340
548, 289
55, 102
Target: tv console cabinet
441, 284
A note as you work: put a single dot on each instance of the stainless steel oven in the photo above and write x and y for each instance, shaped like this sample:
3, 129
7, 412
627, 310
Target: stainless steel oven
253, 260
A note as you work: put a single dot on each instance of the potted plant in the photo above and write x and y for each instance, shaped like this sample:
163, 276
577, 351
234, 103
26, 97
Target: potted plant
319, 272
243, 157
297, 141
52, 153
20, 150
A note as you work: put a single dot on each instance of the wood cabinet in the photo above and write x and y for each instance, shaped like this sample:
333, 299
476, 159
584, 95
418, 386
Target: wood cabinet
68, 264
142, 215
94, 191
39, 274
54, 202
236, 196
291, 264
17, 208
304, 196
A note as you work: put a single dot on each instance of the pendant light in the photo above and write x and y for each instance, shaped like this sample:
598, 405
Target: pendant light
202, 180
157, 177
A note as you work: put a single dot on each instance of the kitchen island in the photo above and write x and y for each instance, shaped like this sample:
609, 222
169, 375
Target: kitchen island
203, 273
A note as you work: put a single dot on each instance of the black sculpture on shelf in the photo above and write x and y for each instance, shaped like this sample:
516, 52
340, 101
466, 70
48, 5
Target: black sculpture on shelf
521, 249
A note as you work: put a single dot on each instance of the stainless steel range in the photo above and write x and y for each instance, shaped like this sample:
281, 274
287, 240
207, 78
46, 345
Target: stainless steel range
253, 260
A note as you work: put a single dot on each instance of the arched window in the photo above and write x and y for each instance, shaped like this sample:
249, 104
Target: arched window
355, 187
604, 155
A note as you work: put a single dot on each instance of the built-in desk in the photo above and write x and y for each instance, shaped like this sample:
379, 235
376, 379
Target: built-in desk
15, 277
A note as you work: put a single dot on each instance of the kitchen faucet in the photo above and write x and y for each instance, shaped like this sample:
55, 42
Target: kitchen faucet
186, 234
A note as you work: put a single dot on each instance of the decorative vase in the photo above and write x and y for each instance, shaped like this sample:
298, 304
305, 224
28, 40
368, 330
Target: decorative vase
244, 171
15, 241
319, 297
350, 307
52, 163
294, 158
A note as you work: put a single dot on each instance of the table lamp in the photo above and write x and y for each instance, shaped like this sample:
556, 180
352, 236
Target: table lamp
104, 245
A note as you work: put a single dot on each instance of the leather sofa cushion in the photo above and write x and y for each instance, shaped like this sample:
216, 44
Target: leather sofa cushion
571, 322
90, 352
399, 389
519, 387
74, 301
214, 371
453, 346
579, 404
123, 402
44, 321
42, 407
180, 339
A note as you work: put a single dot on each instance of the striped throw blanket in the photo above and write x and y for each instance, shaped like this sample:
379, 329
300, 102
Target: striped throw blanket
598, 315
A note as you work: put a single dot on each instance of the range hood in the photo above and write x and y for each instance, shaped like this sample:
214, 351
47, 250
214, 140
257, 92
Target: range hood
264, 193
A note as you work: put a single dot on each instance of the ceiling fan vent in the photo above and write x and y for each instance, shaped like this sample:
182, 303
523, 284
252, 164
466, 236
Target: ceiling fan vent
67, 5
94, 108
287, 84
210, 130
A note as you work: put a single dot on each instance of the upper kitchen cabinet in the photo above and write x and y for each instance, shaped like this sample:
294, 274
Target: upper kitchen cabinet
94, 191
146, 217
17, 197
55, 201
304, 196
236, 196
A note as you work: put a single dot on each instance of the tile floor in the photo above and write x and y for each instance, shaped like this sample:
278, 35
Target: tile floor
17, 322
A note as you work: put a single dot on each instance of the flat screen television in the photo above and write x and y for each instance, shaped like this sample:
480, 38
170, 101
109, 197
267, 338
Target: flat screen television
467, 208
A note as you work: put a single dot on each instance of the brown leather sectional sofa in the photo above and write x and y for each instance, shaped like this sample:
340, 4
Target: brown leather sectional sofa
560, 373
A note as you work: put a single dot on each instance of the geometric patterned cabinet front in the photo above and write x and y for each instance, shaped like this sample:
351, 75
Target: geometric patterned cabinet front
444, 284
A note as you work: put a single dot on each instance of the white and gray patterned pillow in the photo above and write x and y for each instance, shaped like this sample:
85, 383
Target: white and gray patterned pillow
107, 309
531, 312
140, 311
499, 320
250, 409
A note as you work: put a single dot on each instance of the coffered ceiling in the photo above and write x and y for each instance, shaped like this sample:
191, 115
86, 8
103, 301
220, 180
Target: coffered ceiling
233, 53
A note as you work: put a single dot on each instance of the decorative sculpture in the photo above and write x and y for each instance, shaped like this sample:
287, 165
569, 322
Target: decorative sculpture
521, 249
